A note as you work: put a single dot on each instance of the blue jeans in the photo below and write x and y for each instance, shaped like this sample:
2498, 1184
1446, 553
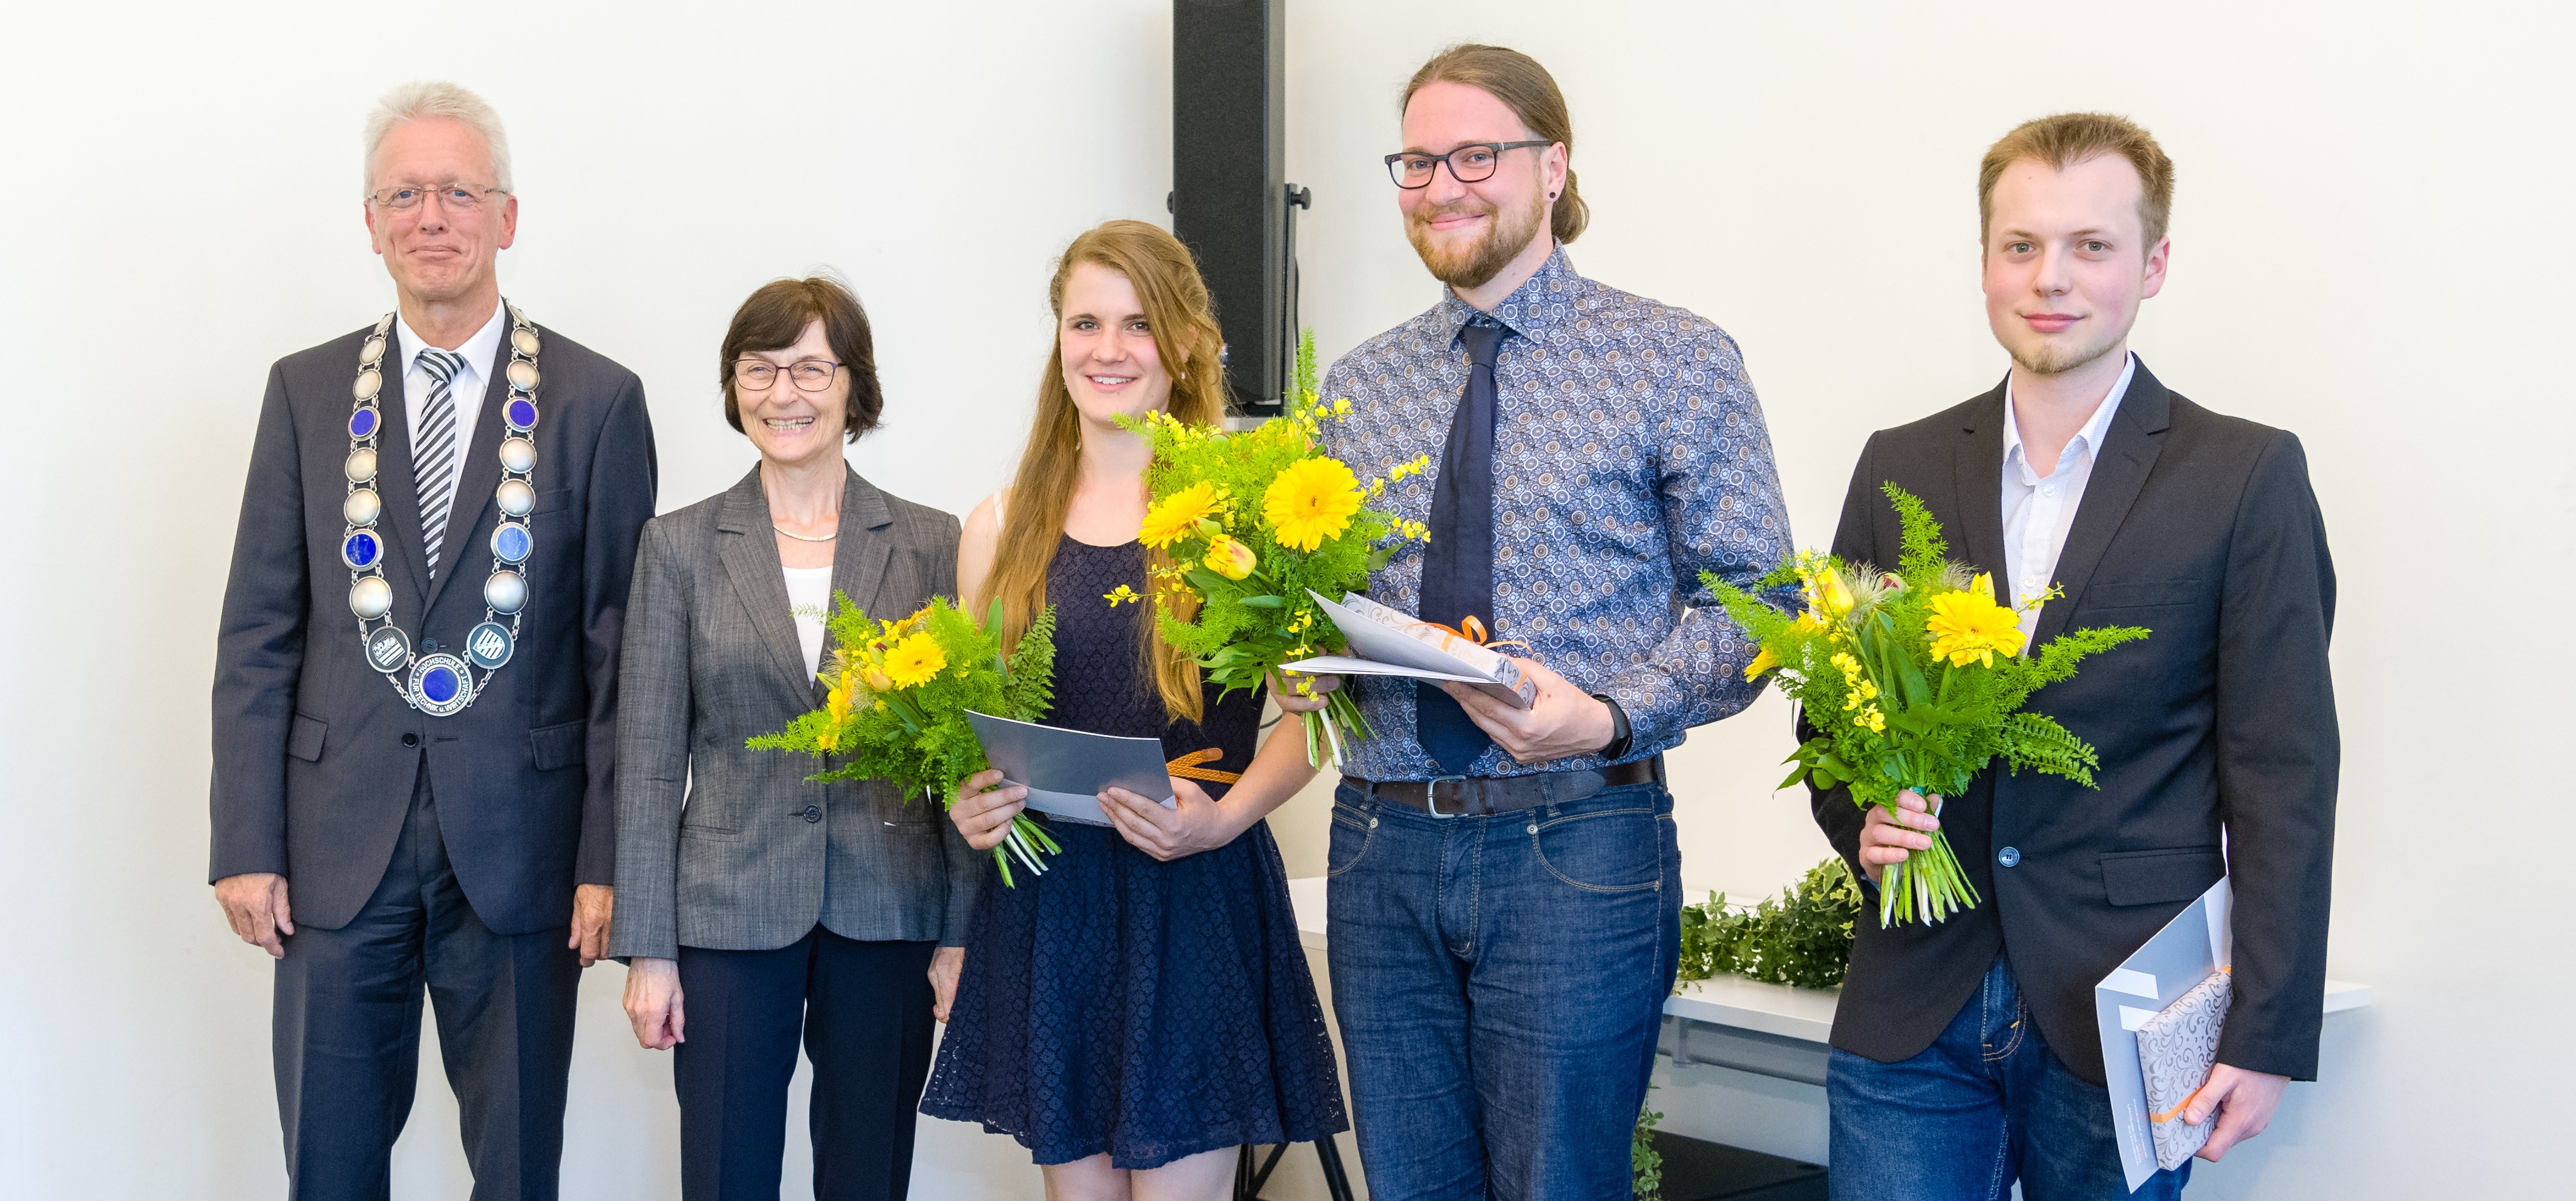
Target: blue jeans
1987, 1103
1499, 982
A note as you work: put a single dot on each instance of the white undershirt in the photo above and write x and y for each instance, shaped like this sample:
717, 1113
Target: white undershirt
2038, 512
809, 590
467, 388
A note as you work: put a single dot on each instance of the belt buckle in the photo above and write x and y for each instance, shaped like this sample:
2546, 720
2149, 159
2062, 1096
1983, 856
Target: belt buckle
1431, 796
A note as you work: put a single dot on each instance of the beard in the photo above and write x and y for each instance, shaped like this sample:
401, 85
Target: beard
2056, 360
1478, 262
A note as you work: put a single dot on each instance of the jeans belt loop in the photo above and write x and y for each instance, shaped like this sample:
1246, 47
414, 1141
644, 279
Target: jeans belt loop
1431, 796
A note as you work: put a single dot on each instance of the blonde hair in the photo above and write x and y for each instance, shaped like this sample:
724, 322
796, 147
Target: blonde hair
436, 98
1182, 321
2066, 139
1531, 93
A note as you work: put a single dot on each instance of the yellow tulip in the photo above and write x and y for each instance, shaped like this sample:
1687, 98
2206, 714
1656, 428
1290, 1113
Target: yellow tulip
1231, 559
1761, 663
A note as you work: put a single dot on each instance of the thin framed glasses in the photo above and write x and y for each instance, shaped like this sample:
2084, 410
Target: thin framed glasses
810, 375
1472, 163
456, 197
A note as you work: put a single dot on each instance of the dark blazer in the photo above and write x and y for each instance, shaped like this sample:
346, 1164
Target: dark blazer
2217, 733
315, 754
726, 848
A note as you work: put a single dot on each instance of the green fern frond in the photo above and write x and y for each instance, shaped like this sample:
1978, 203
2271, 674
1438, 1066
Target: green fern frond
1924, 554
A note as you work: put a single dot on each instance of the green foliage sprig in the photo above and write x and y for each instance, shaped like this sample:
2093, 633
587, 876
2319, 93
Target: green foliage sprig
1802, 938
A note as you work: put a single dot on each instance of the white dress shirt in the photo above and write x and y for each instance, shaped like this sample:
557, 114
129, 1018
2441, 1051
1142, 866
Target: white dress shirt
468, 389
2038, 511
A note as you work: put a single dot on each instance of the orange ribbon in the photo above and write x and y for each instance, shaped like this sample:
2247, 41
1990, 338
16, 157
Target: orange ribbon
1470, 629
1187, 767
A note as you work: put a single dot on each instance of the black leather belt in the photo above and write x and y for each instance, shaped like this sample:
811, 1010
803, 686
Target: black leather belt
1482, 796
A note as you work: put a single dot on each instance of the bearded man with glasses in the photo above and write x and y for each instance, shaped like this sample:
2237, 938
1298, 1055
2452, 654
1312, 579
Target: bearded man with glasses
1506, 887
412, 774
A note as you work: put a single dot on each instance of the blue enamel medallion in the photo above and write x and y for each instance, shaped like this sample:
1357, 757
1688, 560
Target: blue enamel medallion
360, 550
521, 413
438, 684
511, 543
362, 422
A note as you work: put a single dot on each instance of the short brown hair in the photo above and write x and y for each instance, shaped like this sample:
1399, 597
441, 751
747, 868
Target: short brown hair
776, 316
2066, 139
1530, 92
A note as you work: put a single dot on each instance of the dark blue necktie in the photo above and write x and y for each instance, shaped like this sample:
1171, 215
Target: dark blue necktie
1458, 566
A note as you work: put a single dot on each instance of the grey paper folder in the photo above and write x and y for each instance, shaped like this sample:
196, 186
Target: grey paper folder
1387, 642
2191, 948
1065, 770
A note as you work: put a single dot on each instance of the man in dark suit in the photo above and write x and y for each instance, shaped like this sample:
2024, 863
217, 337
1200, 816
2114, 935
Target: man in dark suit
413, 773
1965, 1054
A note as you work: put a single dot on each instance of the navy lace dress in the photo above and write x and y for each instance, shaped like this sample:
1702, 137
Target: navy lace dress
1150, 1010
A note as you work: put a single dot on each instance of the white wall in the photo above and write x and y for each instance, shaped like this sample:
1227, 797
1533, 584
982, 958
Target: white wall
2368, 251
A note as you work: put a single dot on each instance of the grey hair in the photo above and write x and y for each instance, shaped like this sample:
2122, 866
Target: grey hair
436, 98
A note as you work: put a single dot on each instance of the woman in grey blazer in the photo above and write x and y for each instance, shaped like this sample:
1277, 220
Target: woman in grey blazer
754, 904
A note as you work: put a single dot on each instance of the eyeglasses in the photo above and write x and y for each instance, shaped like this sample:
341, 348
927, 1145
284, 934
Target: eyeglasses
1471, 163
759, 375
457, 197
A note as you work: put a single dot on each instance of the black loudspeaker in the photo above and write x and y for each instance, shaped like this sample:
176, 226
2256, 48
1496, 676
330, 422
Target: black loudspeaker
1231, 203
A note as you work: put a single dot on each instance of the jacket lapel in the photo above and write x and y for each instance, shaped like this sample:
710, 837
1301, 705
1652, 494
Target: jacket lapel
473, 502
860, 552
750, 554
401, 518
2119, 472
1979, 480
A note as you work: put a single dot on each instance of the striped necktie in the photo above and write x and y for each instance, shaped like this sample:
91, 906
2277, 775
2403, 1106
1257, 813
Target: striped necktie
433, 451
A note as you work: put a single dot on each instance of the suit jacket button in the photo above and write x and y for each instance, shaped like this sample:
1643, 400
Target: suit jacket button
411, 740
813, 813
2009, 856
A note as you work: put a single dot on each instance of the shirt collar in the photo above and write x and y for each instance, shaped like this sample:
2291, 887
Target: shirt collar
2090, 436
477, 350
1525, 312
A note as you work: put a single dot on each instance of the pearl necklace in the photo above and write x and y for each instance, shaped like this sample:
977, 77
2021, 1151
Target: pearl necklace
438, 683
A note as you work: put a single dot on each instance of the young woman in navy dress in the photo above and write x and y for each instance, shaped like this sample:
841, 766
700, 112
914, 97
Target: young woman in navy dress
1143, 1008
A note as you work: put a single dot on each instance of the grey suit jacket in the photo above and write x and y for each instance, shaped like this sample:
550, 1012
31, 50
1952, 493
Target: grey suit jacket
732, 849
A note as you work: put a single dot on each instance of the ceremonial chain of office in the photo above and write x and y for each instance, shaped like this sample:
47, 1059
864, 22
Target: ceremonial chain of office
440, 684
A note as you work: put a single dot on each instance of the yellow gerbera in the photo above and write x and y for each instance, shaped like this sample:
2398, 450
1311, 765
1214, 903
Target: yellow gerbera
1969, 627
1177, 516
915, 661
1311, 501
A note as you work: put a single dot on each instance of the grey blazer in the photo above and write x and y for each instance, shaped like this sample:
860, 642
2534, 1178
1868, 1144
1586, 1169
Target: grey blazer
732, 849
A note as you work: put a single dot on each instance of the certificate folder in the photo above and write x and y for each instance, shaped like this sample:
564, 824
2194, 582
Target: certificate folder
1387, 642
2155, 983
1066, 770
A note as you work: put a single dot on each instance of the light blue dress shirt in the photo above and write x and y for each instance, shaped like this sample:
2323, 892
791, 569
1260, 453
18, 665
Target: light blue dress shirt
1629, 455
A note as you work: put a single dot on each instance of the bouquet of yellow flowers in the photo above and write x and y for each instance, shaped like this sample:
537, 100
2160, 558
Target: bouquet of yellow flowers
1251, 523
899, 692
1917, 679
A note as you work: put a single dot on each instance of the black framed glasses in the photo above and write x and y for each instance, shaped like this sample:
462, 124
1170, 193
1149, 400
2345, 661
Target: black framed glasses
457, 197
1472, 163
810, 375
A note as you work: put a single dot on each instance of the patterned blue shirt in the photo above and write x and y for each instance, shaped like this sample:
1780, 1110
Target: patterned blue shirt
1629, 454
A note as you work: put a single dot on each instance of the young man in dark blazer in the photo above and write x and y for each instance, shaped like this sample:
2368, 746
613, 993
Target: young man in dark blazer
416, 681
1965, 1054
